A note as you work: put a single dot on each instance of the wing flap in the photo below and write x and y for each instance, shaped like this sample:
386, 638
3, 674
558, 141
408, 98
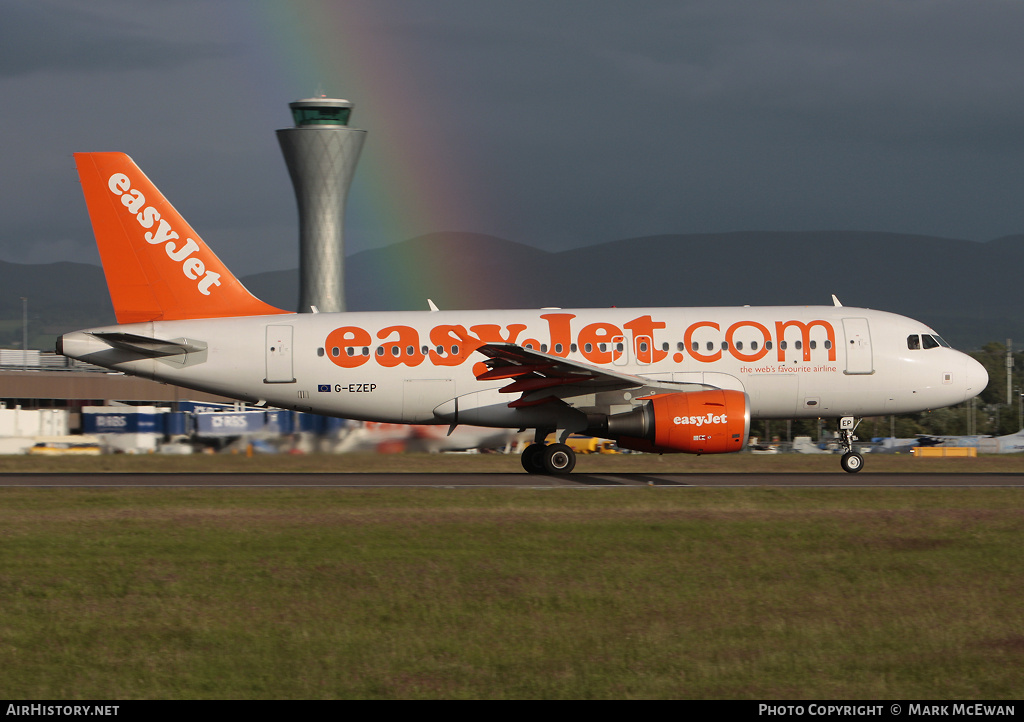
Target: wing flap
542, 378
509, 360
539, 377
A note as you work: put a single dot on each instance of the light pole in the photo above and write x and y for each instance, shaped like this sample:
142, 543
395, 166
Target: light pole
1009, 369
24, 333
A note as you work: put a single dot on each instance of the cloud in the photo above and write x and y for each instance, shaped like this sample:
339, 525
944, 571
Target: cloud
552, 122
881, 72
40, 36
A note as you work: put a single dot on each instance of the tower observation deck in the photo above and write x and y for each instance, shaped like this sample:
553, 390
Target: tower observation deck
321, 153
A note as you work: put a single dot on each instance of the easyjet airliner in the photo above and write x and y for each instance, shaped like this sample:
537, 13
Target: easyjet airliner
654, 379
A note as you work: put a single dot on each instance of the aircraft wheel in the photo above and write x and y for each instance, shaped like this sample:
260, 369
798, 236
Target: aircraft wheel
532, 460
559, 459
852, 462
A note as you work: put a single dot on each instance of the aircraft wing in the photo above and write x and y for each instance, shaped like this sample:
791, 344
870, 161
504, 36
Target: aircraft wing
542, 378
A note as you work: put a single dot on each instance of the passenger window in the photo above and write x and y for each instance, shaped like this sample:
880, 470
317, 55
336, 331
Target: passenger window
558, 348
753, 345
913, 342
814, 345
739, 345
782, 345
695, 346
711, 346
768, 345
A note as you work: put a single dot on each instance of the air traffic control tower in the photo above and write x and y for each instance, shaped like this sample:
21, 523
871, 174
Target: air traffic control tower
321, 152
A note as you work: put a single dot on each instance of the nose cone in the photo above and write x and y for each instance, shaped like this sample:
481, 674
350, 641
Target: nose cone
975, 378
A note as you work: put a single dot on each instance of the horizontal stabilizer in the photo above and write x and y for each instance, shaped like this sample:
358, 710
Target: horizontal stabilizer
150, 347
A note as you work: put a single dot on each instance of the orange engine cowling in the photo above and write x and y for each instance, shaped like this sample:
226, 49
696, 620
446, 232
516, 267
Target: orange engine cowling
716, 421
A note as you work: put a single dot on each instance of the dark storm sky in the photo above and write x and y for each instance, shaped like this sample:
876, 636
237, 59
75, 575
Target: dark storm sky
557, 124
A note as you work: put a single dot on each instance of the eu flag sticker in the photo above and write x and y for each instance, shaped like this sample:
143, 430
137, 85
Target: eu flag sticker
321, 388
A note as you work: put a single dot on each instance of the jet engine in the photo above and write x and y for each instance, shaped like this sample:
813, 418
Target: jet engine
715, 421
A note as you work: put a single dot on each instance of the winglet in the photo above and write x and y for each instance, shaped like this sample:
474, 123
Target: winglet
835, 301
157, 267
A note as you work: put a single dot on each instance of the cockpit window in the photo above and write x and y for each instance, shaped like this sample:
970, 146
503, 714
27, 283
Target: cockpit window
913, 342
929, 341
942, 341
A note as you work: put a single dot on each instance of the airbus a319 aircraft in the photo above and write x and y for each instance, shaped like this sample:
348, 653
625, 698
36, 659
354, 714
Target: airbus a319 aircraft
653, 379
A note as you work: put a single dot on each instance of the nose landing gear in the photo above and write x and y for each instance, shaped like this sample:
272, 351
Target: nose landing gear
852, 462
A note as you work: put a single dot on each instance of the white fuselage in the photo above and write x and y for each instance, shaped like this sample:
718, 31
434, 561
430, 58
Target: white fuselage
410, 367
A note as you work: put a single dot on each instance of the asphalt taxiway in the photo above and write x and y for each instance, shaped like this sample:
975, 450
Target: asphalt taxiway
522, 480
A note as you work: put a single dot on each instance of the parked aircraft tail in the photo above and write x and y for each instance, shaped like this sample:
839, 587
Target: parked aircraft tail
157, 267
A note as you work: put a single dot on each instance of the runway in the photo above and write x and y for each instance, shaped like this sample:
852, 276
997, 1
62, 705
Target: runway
524, 481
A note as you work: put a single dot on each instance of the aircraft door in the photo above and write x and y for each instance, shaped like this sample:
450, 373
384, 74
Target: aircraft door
858, 346
279, 355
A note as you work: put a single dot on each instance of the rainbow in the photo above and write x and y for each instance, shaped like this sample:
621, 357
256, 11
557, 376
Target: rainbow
407, 183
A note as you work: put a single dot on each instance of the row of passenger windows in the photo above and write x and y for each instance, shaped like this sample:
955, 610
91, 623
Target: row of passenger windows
395, 351
619, 347
754, 346
925, 340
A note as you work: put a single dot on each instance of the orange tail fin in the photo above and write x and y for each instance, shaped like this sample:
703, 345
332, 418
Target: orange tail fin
157, 267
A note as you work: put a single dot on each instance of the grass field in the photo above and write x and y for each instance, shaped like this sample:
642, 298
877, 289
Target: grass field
512, 593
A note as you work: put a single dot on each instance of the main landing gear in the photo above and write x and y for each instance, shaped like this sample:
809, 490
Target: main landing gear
541, 458
852, 462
